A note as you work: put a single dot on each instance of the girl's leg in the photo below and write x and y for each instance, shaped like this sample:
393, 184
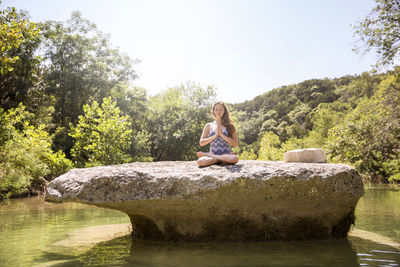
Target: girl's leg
204, 161
225, 158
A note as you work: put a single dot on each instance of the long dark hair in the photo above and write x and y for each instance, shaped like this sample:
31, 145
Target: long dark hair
226, 118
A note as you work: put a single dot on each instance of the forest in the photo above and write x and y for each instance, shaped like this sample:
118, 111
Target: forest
67, 101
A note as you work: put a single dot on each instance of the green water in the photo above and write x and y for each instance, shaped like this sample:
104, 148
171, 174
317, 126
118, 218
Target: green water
28, 226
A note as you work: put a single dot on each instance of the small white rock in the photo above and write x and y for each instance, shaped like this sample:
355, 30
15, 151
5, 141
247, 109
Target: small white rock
314, 155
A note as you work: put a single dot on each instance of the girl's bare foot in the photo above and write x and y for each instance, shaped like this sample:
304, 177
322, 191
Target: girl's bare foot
200, 154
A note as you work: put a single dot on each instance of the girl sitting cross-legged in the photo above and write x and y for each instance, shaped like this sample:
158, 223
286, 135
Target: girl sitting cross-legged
221, 133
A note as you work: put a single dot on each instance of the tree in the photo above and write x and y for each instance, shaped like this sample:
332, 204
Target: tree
324, 118
380, 30
298, 117
175, 121
81, 67
250, 127
26, 157
133, 102
19, 66
269, 147
102, 136
369, 136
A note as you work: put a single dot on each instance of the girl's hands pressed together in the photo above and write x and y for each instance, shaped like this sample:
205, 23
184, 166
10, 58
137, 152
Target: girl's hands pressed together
219, 128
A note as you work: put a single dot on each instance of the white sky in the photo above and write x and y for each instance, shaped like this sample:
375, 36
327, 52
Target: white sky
243, 47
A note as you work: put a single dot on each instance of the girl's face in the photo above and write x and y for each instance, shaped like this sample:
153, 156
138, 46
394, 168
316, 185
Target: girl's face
218, 111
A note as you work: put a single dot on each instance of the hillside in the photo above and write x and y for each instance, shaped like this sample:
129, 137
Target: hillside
354, 118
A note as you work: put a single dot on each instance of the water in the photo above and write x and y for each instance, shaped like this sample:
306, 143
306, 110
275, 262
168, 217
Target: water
379, 211
28, 226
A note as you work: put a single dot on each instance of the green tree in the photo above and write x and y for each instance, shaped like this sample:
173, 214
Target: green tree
133, 102
251, 126
82, 67
19, 66
270, 147
354, 140
102, 136
299, 114
26, 157
380, 31
369, 136
324, 118
248, 153
175, 121
364, 85
285, 110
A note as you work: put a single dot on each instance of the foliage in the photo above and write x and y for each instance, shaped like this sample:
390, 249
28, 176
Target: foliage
19, 66
369, 136
356, 122
133, 103
379, 30
26, 156
269, 147
102, 136
323, 118
284, 111
354, 142
299, 114
15, 31
392, 167
81, 67
248, 154
175, 121
364, 85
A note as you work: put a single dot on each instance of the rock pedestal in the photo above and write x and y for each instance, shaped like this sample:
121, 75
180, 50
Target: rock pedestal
249, 201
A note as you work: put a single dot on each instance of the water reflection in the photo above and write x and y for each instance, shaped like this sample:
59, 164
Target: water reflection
378, 211
334, 252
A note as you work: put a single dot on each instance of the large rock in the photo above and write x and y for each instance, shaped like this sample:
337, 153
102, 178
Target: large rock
252, 200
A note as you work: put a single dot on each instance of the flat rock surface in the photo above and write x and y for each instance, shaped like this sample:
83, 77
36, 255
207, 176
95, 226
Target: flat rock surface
154, 180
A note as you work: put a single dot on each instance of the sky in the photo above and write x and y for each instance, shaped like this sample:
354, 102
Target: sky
241, 47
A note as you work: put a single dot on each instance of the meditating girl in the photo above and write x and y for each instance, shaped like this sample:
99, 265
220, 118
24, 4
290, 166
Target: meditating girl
221, 133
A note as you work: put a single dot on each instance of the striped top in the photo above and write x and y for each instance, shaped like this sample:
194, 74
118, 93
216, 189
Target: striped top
219, 146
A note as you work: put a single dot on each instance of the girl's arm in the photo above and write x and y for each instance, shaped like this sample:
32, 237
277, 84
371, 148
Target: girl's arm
232, 141
204, 140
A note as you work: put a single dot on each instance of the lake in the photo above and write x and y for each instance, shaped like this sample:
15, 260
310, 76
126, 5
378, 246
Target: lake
29, 226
